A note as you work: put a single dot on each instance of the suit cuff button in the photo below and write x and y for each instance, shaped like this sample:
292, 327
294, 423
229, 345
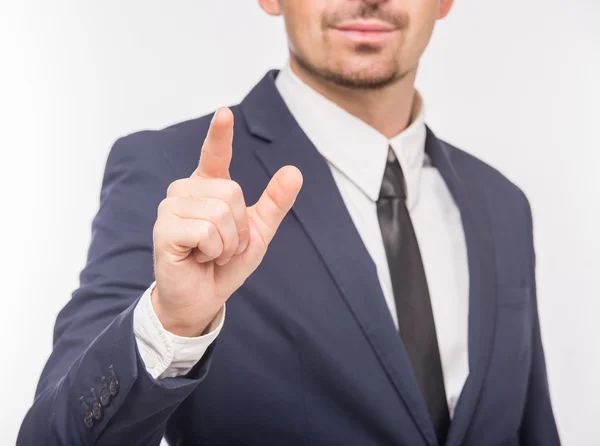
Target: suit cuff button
113, 385
105, 397
88, 416
97, 410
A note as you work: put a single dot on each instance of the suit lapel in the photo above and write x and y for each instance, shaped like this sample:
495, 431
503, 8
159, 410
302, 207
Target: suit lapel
464, 188
323, 215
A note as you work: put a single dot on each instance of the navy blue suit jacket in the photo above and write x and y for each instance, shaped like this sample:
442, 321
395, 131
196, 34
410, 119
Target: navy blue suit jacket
309, 354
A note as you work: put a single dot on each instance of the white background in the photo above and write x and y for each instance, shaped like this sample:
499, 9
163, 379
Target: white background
514, 82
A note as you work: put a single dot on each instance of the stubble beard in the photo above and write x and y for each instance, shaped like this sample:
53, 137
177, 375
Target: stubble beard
353, 81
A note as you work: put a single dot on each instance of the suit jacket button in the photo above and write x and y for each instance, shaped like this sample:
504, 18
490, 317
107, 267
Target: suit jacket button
88, 418
97, 410
113, 386
105, 397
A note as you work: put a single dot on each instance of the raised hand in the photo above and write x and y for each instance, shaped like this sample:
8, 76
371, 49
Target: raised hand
206, 240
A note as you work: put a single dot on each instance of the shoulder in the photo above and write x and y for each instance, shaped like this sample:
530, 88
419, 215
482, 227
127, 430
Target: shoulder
508, 215
497, 188
161, 149
141, 166
174, 149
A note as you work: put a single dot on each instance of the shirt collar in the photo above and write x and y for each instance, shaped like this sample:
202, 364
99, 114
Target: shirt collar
353, 147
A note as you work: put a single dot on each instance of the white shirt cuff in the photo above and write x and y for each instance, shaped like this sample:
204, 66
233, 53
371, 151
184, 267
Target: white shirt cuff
164, 354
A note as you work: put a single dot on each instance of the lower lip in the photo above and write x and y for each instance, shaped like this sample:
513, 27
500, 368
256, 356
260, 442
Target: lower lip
365, 37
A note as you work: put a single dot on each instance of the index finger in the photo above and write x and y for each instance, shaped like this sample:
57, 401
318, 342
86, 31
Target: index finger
216, 150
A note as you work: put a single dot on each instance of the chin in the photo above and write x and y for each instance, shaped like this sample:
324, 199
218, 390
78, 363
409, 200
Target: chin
365, 76
364, 71
365, 82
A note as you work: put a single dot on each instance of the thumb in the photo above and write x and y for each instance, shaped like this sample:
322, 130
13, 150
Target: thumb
276, 201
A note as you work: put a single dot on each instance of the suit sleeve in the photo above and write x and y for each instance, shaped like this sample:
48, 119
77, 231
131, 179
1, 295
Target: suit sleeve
538, 427
94, 389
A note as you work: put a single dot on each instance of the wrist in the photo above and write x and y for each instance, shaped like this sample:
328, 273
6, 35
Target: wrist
183, 326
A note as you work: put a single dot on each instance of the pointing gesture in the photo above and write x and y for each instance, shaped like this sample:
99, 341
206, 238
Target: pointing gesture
206, 240
215, 157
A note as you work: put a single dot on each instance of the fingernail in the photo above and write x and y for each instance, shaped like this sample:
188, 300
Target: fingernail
242, 247
222, 262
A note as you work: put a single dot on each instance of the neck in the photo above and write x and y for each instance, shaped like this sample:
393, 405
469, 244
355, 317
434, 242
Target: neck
388, 110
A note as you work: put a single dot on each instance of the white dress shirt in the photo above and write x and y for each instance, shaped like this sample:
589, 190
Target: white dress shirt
165, 354
356, 154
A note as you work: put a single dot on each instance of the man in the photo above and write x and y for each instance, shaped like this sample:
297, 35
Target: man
396, 304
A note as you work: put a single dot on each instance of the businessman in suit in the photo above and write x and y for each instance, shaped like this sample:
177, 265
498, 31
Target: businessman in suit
380, 290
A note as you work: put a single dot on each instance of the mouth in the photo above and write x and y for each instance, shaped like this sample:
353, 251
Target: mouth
366, 31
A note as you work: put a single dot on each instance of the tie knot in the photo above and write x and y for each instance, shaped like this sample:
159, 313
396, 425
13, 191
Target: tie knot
393, 185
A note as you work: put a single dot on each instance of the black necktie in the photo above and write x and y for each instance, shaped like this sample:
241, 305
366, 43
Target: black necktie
413, 305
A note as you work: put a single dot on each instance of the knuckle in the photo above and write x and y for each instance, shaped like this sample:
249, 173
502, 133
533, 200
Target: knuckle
177, 188
234, 192
165, 227
219, 209
164, 206
209, 230
158, 232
